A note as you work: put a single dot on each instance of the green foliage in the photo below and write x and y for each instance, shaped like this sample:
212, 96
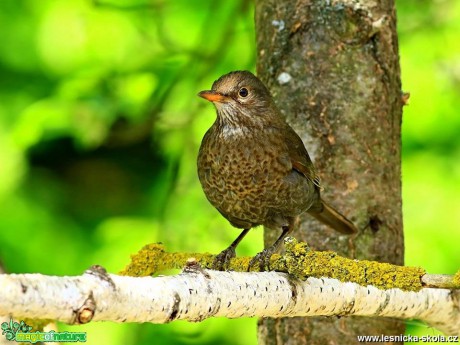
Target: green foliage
430, 55
100, 127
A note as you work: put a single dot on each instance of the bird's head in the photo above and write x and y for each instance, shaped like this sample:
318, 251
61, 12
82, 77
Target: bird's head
242, 99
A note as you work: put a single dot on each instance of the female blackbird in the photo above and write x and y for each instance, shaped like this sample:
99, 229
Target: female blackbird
253, 167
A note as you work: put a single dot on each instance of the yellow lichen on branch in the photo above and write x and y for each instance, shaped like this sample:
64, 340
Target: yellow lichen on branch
152, 259
303, 263
456, 279
299, 261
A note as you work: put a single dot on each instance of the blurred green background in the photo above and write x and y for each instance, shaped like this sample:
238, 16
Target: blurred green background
100, 127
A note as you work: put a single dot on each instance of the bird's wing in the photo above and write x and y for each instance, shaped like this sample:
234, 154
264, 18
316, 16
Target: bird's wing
300, 159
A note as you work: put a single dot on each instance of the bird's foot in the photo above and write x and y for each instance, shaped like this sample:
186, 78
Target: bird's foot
222, 260
262, 259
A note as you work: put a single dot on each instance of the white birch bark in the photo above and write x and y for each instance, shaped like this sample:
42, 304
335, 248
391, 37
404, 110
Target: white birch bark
197, 294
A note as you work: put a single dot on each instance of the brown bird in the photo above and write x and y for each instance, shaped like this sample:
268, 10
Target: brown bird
253, 167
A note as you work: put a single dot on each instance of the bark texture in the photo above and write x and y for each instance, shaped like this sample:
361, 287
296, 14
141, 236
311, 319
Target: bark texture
197, 294
333, 68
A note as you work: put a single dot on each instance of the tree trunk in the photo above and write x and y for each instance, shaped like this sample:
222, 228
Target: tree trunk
333, 69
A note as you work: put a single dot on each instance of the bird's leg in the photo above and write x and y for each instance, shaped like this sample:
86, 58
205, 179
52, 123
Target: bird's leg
263, 258
223, 258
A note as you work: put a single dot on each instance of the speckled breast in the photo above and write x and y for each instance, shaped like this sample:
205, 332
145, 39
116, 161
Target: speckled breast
249, 181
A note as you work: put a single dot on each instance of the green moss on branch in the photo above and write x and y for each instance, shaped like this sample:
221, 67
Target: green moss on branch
299, 261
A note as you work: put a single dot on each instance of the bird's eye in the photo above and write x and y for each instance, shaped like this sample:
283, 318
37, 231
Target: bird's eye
243, 92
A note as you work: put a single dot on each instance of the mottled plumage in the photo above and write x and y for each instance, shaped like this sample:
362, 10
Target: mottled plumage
253, 167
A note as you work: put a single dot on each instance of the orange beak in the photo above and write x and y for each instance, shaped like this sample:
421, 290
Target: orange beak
213, 96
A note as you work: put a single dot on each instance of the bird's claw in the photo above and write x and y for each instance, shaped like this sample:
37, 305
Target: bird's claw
222, 260
262, 259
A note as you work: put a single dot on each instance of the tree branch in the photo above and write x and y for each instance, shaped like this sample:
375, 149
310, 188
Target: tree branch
197, 294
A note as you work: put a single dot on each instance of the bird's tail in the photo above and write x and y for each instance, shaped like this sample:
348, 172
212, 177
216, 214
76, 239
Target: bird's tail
330, 216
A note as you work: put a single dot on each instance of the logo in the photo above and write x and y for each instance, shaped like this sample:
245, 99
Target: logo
22, 333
